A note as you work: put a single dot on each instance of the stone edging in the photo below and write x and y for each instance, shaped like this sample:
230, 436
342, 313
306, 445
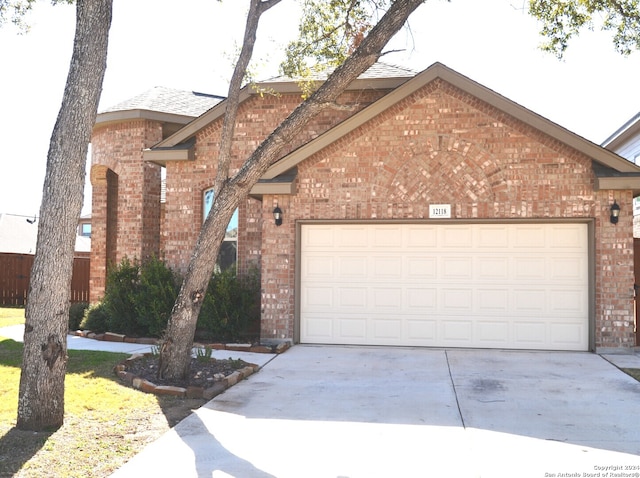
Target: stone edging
258, 348
190, 392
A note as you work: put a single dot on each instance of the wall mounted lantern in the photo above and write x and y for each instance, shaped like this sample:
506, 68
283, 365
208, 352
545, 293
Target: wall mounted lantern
277, 215
615, 212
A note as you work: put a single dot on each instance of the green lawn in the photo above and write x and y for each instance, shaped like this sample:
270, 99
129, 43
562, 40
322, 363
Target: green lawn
106, 423
11, 316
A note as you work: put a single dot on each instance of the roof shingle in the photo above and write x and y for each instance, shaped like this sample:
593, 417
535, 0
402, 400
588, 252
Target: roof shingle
168, 100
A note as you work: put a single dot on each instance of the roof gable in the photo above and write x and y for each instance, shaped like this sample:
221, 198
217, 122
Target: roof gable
439, 71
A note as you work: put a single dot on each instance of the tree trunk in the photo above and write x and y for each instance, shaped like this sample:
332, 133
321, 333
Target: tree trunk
41, 394
175, 353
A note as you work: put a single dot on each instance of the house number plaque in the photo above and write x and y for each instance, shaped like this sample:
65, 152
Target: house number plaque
440, 211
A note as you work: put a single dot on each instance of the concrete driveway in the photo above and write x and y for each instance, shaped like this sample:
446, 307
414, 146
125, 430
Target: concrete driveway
334, 411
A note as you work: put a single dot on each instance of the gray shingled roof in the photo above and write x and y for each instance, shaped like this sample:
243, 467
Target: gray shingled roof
191, 103
378, 70
168, 100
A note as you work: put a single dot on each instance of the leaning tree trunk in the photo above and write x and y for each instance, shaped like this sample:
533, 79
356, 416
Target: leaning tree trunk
175, 352
41, 395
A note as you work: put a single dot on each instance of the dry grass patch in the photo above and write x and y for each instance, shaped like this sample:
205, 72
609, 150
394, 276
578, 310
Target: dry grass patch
634, 372
11, 316
105, 425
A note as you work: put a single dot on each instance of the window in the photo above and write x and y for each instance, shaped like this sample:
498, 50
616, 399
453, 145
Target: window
85, 229
228, 255
207, 202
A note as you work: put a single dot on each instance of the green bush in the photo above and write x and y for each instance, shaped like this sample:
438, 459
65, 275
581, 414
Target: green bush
76, 313
154, 297
95, 318
231, 308
138, 299
119, 298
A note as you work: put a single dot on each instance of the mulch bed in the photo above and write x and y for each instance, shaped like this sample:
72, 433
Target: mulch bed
202, 372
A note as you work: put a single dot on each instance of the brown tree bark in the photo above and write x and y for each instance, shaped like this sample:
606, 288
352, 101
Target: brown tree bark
41, 394
178, 341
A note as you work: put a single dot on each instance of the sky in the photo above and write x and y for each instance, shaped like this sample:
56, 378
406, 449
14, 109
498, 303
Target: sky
190, 44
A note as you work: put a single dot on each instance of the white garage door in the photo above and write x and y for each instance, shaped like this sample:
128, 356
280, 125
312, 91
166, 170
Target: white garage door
521, 286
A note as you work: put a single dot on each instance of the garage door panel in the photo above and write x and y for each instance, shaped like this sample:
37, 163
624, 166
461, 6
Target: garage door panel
455, 237
568, 268
351, 237
353, 298
530, 334
386, 237
455, 301
387, 267
421, 267
421, 237
318, 329
527, 302
492, 237
352, 329
457, 268
387, 329
387, 298
352, 267
568, 302
457, 333
318, 297
421, 299
494, 300
567, 335
471, 285
422, 331
530, 237
567, 237
318, 237
491, 333
492, 268
318, 267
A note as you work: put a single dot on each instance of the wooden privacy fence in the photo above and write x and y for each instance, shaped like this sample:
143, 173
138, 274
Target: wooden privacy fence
15, 270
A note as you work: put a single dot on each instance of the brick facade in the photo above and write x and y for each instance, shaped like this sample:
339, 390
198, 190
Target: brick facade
442, 146
126, 197
437, 145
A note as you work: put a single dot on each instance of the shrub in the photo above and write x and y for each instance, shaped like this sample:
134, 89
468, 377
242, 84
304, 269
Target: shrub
119, 298
95, 318
138, 298
76, 313
231, 307
154, 297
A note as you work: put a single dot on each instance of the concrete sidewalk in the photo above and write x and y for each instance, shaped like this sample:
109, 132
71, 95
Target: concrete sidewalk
330, 411
378, 412
16, 332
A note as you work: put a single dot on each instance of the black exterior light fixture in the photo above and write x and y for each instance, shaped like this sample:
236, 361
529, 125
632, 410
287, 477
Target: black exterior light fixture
615, 212
277, 215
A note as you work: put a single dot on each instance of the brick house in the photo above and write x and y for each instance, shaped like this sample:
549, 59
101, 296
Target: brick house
428, 210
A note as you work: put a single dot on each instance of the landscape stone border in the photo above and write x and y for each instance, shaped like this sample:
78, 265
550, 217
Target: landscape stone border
190, 392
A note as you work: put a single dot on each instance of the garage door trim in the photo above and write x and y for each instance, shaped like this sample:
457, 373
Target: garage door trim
590, 223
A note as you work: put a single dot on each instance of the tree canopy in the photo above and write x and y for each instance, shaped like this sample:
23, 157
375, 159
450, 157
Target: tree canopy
562, 20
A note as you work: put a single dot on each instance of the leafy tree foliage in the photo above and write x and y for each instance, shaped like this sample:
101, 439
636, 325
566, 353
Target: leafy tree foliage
563, 19
16, 11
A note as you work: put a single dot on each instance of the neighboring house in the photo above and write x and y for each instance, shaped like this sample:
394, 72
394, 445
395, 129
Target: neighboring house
625, 141
18, 238
426, 210
19, 235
